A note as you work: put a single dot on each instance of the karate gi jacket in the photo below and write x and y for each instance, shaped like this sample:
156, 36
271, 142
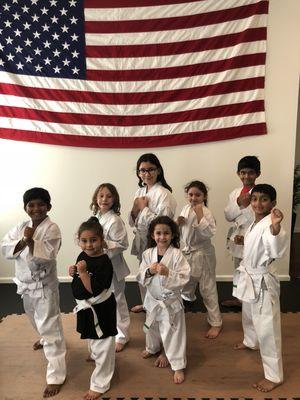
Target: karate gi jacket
160, 202
115, 235
257, 270
33, 271
164, 292
196, 237
241, 219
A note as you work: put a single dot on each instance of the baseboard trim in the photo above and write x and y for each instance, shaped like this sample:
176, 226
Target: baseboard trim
131, 278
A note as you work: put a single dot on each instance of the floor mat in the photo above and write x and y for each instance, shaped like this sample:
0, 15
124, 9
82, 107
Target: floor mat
214, 371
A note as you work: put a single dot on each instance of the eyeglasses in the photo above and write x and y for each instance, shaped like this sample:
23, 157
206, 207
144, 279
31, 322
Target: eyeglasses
144, 171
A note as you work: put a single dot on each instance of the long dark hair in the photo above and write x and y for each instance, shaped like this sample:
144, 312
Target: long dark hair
163, 220
151, 158
113, 190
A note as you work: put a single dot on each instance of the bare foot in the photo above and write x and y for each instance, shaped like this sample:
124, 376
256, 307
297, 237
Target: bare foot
37, 345
179, 376
91, 395
89, 359
161, 361
213, 332
119, 347
137, 309
232, 303
51, 390
146, 354
265, 385
240, 346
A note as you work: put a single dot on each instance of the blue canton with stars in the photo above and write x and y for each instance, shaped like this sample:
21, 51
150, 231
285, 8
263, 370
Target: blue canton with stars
42, 38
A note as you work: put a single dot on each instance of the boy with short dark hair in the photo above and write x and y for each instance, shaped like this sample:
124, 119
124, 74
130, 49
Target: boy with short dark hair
34, 245
256, 284
239, 212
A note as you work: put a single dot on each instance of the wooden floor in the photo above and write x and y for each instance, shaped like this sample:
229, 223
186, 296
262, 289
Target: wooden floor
214, 371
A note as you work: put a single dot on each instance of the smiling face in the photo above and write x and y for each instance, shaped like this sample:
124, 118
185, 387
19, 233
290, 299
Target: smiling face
91, 243
195, 196
148, 173
248, 176
162, 236
37, 210
105, 200
261, 205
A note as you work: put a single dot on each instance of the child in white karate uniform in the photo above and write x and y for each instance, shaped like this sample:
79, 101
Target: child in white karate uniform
34, 245
256, 284
197, 226
239, 212
153, 198
96, 305
164, 271
106, 206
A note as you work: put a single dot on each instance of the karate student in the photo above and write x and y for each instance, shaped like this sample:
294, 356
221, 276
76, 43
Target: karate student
256, 284
152, 199
239, 212
164, 271
96, 305
106, 205
34, 245
197, 226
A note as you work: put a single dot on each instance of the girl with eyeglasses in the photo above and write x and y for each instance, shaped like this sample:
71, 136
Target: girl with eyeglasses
152, 199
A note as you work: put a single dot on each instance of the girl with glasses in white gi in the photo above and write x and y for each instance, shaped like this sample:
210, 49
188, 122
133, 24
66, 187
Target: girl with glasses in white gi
164, 271
96, 305
152, 199
197, 227
106, 206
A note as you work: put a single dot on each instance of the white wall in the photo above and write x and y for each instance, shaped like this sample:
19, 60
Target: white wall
72, 174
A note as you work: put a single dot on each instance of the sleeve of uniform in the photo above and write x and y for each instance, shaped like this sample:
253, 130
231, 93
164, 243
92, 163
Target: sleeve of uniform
118, 238
102, 277
145, 264
45, 251
233, 212
167, 207
206, 228
9, 242
232, 209
180, 275
275, 246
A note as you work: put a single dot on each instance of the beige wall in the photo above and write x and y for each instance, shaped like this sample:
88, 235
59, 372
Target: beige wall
71, 174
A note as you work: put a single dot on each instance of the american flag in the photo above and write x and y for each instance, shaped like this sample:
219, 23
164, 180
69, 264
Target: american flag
134, 73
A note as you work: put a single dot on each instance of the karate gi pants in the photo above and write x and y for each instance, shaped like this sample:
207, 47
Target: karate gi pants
262, 329
123, 318
103, 353
207, 288
44, 315
173, 341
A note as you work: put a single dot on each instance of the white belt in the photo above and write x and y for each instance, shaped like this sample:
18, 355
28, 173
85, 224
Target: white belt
164, 304
88, 303
34, 289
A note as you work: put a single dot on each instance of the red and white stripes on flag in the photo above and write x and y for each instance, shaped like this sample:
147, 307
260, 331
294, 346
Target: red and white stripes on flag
158, 73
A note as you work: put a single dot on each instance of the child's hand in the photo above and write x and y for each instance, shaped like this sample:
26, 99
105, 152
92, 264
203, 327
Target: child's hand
238, 239
135, 209
198, 208
81, 267
180, 220
244, 200
72, 270
162, 270
276, 218
28, 232
153, 268
142, 202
